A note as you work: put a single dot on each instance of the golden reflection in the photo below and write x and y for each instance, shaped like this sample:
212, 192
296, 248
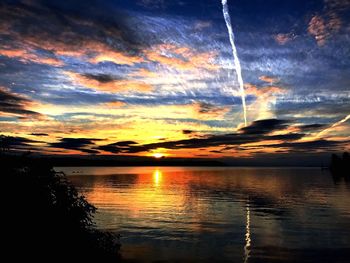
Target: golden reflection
247, 236
157, 177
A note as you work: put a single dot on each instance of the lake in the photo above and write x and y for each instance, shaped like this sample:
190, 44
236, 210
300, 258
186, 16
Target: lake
211, 214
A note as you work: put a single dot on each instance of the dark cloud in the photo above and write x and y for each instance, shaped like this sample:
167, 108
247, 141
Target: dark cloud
288, 136
265, 126
328, 106
80, 144
206, 107
10, 142
39, 134
110, 148
58, 27
216, 151
310, 146
256, 132
103, 78
187, 131
124, 143
312, 127
118, 147
152, 4
15, 104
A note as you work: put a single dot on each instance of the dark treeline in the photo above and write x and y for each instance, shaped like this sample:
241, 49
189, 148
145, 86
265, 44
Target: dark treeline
340, 165
47, 218
125, 161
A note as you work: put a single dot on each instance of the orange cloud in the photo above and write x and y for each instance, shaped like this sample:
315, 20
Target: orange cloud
116, 57
144, 73
25, 56
114, 104
317, 28
323, 27
262, 108
333, 126
110, 85
284, 38
268, 79
93, 50
264, 91
182, 58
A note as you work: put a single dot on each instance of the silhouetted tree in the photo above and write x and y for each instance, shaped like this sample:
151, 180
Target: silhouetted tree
4, 144
49, 220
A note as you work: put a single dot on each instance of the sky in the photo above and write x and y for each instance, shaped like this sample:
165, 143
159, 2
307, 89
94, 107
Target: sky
157, 78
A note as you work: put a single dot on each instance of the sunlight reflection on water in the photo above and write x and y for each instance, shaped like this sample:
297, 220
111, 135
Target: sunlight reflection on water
242, 214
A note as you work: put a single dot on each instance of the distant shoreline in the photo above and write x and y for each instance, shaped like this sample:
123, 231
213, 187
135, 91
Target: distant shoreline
139, 161
197, 166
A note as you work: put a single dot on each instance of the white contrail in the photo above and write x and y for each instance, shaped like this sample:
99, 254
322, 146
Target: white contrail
235, 57
333, 126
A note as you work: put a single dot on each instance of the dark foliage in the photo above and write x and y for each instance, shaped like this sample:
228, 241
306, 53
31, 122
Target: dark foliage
340, 166
48, 218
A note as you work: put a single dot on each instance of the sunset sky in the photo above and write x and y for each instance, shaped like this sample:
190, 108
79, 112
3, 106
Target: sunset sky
157, 78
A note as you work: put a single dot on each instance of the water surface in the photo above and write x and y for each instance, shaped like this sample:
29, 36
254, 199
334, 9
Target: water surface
222, 214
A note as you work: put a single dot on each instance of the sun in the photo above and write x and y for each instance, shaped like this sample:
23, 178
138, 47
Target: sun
158, 155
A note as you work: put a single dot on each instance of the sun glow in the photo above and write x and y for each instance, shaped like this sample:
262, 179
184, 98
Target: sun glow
158, 155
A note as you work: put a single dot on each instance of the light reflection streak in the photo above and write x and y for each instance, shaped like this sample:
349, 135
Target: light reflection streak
247, 236
157, 177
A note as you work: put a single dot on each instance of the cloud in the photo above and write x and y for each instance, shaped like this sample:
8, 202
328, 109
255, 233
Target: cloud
258, 131
152, 4
64, 31
13, 104
204, 110
114, 104
26, 56
195, 143
17, 143
265, 98
144, 73
319, 29
187, 131
108, 83
117, 147
39, 134
116, 57
326, 107
333, 126
200, 25
269, 79
263, 91
182, 58
337, 5
283, 39
265, 126
124, 143
79, 144
312, 127
323, 26
310, 146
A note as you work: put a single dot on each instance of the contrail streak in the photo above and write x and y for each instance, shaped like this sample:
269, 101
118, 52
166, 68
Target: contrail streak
235, 57
333, 126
